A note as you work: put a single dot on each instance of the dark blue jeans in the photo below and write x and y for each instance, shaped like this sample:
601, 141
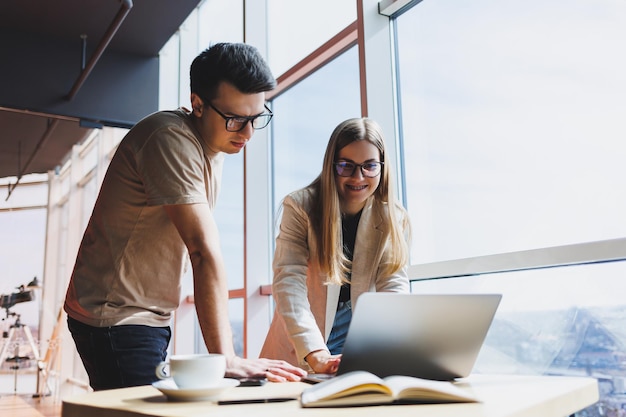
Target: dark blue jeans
338, 334
120, 356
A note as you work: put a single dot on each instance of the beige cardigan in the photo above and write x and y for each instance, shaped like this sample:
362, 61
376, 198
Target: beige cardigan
305, 306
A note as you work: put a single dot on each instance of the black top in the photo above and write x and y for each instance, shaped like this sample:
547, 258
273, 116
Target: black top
349, 224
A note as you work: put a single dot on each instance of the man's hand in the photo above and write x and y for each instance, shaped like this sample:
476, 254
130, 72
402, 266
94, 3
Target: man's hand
273, 370
322, 362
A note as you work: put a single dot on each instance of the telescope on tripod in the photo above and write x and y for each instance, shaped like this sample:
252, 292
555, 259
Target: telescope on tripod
9, 300
11, 337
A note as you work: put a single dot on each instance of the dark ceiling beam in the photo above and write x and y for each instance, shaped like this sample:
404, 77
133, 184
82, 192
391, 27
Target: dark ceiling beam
104, 42
41, 63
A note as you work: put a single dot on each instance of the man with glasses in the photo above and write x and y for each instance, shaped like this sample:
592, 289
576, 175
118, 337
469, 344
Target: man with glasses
153, 215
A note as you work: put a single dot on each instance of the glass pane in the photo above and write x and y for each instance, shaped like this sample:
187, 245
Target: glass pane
89, 159
228, 214
556, 321
512, 124
295, 29
63, 267
22, 257
88, 200
305, 117
235, 311
220, 21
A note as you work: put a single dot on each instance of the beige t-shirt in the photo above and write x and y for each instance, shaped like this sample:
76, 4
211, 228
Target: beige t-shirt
131, 258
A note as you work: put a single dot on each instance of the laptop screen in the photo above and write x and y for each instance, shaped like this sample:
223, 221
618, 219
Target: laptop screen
432, 336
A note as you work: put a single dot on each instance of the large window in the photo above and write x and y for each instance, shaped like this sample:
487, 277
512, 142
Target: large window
557, 321
295, 29
513, 124
511, 117
305, 117
507, 142
23, 225
22, 248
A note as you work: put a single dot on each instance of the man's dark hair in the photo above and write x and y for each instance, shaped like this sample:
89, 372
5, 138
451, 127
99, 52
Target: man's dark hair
236, 63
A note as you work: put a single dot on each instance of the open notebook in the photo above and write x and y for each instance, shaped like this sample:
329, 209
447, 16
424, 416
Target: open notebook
431, 336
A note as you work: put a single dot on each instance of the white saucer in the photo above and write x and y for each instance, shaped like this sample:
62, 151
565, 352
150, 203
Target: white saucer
172, 392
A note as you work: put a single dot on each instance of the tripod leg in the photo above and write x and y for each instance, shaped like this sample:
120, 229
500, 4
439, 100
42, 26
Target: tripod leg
5, 347
15, 367
10, 340
15, 359
37, 359
31, 341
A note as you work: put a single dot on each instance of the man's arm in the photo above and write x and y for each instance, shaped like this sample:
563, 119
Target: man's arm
197, 228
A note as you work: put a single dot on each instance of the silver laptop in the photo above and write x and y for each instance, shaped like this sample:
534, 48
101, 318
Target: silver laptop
432, 336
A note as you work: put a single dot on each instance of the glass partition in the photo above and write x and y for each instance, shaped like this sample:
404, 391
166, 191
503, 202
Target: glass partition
512, 124
295, 28
305, 116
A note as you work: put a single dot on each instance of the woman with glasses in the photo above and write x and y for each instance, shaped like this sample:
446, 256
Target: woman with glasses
341, 236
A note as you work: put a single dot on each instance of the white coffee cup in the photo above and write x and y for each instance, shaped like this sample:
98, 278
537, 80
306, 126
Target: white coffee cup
194, 371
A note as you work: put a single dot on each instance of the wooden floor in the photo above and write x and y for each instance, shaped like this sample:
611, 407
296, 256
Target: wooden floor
26, 406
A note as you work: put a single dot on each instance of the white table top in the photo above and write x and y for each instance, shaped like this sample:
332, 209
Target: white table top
500, 395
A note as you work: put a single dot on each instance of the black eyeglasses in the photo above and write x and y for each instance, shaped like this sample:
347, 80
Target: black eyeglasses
368, 169
237, 123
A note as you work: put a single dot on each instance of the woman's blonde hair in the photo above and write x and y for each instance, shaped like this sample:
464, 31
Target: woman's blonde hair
326, 213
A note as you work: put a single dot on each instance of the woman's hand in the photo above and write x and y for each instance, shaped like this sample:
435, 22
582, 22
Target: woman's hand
322, 362
273, 370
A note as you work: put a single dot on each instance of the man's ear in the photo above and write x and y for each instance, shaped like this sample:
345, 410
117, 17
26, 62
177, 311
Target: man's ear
197, 104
